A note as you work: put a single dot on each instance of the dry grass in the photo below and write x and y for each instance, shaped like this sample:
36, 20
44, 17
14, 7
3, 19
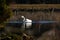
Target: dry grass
55, 16
34, 6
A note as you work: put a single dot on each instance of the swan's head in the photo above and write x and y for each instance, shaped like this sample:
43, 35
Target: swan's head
22, 17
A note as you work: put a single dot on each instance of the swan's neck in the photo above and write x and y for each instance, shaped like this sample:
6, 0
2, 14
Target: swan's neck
24, 19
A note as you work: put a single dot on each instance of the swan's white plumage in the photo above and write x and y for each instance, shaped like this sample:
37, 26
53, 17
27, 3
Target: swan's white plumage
26, 22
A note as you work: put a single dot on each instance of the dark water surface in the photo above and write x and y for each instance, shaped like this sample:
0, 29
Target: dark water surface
15, 26
33, 22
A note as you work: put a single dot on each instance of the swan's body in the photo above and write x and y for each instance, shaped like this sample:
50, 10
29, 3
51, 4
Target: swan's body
26, 22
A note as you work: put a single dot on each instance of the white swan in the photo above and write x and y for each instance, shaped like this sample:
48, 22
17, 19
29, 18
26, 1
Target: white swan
26, 22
